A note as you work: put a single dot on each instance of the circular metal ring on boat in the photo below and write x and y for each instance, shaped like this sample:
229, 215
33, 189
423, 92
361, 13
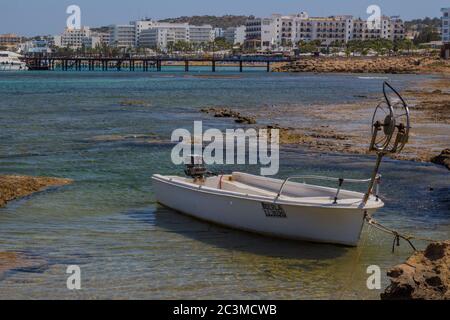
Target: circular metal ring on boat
383, 127
403, 125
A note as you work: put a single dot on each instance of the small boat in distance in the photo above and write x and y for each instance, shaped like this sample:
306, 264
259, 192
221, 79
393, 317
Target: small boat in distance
10, 61
286, 209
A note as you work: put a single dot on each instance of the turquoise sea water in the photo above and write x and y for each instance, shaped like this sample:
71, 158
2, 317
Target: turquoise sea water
54, 123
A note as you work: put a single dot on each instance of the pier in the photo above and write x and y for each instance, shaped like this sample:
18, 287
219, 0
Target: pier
146, 64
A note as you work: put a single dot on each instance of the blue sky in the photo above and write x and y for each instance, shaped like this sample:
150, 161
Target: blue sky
30, 17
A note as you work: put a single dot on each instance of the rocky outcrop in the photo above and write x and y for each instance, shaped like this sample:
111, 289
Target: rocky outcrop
228, 113
424, 276
11, 261
443, 158
14, 187
354, 65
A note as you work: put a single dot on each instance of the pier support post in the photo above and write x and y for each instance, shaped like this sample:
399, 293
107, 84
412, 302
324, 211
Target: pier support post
186, 66
241, 66
158, 65
268, 66
214, 66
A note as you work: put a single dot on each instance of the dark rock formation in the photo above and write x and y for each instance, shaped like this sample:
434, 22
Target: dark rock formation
228, 113
424, 276
443, 158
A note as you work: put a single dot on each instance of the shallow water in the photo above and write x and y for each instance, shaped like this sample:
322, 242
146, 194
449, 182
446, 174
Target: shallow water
129, 247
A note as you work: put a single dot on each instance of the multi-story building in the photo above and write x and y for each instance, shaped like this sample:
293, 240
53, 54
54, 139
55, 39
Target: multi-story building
218, 33
141, 26
286, 31
260, 33
79, 38
397, 28
92, 41
122, 36
235, 35
201, 34
156, 38
55, 41
445, 25
73, 38
162, 34
104, 38
327, 30
10, 40
36, 46
159, 35
362, 31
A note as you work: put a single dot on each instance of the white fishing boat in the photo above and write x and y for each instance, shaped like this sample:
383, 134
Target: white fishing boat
269, 206
284, 208
10, 61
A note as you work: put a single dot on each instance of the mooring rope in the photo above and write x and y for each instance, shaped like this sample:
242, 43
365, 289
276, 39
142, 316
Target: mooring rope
356, 261
397, 235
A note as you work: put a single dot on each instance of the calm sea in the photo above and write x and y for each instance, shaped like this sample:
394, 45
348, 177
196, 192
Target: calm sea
107, 222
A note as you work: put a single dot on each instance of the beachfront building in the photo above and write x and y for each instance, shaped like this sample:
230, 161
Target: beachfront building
260, 33
10, 41
280, 31
73, 38
140, 26
55, 41
391, 28
201, 34
122, 36
162, 35
104, 38
35, 46
328, 30
218, 33
396, 28
235, 35
159, 35
445, 25
92, 41
79, 38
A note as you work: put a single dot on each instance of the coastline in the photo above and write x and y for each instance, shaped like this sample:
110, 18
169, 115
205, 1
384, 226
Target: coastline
429, 103
379, 65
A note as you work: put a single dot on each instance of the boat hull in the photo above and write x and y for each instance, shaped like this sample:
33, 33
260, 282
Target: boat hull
307, 223
11, 67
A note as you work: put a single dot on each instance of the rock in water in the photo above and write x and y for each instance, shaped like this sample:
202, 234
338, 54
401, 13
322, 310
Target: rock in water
15, 187
424, 276
443, 158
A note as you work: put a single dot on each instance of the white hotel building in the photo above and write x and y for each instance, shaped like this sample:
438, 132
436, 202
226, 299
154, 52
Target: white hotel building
445, 25
235, 35
280, 31
159, 35
75, 38
78, 38
122, 36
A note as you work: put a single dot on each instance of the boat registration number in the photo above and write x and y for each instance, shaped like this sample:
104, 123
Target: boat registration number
273, 210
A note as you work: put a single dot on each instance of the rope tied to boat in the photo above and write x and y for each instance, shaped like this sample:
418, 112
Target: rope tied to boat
397, 235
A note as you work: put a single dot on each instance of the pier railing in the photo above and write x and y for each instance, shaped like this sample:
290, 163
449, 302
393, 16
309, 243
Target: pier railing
145, 63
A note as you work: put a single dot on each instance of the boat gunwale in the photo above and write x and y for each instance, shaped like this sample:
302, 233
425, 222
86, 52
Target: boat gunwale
371, 204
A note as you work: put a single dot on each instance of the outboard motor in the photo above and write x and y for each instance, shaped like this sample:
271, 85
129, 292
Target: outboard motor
195, 167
